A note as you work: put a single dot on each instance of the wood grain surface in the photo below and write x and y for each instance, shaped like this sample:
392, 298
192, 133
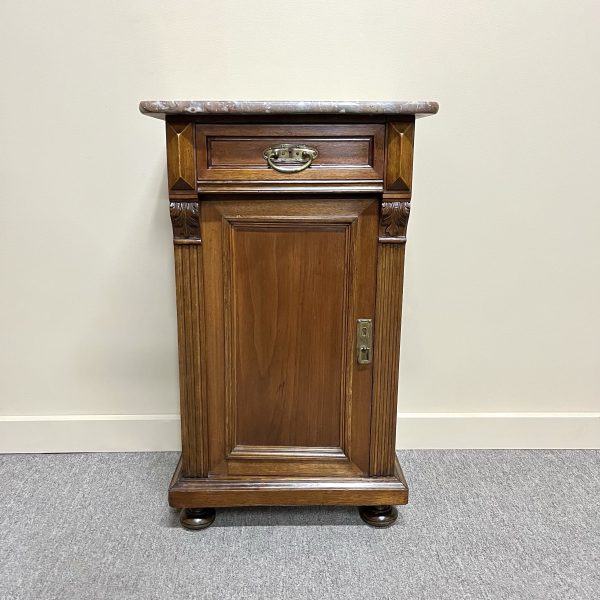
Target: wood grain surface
235, 152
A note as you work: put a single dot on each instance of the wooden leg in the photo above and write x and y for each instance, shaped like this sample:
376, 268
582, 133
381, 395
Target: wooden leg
378, 516
197, 518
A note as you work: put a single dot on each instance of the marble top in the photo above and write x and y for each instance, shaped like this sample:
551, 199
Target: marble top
160, 108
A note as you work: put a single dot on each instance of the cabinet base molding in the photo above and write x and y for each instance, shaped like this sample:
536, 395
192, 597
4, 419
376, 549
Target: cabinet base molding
287, 491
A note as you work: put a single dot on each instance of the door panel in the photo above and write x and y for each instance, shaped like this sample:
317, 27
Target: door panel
289, 301
285, 281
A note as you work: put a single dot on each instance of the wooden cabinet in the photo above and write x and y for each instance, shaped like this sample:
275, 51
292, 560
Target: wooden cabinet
289, 224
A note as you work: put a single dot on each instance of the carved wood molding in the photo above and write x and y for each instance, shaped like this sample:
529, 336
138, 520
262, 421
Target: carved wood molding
192, 373
399, 161
393, 222
181, 169
185, 219
388, 313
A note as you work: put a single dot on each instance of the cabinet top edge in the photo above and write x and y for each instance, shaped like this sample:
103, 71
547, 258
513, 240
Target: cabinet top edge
160, 108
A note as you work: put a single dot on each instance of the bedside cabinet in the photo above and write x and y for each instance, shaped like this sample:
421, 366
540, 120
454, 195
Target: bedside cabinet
289, 226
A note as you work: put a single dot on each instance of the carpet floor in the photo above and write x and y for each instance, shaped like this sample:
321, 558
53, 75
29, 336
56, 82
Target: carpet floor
488, 524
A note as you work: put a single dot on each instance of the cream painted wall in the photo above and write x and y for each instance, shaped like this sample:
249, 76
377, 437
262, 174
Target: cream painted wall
502, 320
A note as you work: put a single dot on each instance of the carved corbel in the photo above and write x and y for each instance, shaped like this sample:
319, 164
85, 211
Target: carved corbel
185, 219
393, 221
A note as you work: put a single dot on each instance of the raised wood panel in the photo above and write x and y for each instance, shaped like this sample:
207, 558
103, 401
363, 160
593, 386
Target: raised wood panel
181, 167
235, 153
192, 376
231, 152
290, 309
293, 277
399, 155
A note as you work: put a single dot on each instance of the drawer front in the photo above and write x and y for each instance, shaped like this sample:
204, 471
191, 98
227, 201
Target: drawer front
236, 152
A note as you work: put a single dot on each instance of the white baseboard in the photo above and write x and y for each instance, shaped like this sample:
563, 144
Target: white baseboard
499, 430
139, 433
89, 433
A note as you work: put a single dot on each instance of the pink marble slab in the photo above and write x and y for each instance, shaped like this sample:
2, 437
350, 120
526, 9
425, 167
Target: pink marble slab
160, 108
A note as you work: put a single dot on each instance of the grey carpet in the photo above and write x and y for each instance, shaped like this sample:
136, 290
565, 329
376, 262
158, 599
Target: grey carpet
481, 524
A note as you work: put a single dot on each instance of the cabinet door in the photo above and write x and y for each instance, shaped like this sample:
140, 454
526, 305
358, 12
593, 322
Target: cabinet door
285, 281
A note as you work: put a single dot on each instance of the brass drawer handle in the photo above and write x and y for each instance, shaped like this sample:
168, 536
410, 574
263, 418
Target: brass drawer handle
290, 158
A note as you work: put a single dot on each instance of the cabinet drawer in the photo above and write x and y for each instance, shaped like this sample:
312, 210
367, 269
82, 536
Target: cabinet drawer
235, 153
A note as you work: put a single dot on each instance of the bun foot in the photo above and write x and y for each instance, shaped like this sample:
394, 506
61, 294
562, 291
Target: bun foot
197, 518
378, 516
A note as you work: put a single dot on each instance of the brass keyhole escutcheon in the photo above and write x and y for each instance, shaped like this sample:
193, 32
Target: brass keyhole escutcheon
364, 341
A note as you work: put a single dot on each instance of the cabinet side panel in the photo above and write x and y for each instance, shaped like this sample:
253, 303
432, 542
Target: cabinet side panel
190, 311
388, 313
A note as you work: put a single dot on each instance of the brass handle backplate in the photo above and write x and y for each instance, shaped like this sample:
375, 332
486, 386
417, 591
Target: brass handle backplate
290, 158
